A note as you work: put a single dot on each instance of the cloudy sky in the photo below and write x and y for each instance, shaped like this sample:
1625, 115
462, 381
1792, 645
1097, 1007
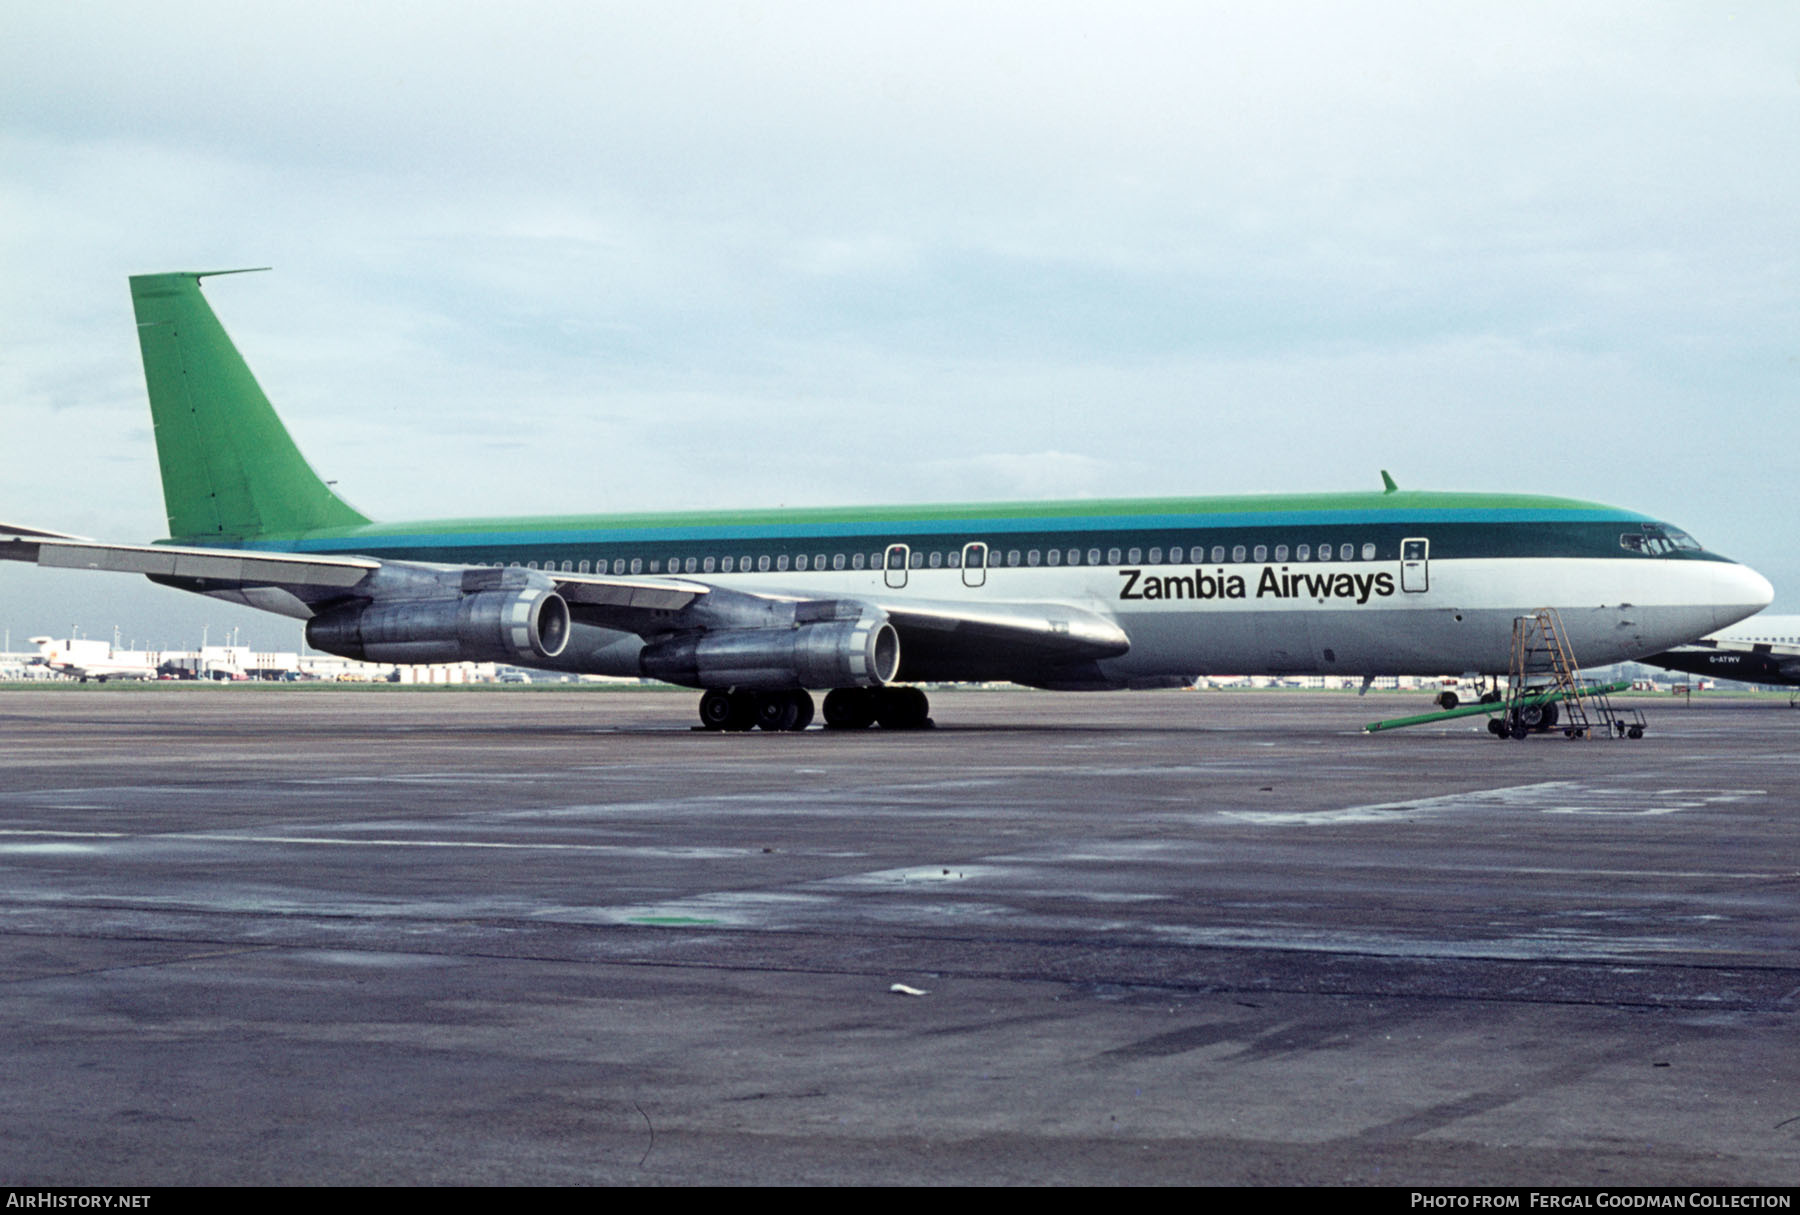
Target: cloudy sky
546, 257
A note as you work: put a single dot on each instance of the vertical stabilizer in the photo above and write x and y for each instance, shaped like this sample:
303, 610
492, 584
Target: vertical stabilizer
229, 468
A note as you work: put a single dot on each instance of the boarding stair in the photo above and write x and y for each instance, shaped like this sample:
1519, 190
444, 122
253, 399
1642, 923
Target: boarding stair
1544, 684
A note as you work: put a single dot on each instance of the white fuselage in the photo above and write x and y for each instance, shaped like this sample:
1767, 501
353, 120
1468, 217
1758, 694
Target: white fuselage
1270, 619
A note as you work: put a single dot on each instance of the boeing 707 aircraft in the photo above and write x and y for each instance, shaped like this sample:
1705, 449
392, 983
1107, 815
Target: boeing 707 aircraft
756, 607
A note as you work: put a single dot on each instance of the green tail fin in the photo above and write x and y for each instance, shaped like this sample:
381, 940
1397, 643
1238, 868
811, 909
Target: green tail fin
229, 468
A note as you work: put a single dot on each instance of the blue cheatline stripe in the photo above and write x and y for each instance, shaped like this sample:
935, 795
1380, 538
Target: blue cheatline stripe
381, 537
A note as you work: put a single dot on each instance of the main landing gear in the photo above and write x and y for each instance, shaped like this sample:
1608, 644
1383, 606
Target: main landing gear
845, 709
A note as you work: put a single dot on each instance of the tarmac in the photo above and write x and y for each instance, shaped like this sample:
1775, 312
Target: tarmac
300, 936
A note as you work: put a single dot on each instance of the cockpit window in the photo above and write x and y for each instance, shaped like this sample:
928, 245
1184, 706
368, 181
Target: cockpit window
1658, 540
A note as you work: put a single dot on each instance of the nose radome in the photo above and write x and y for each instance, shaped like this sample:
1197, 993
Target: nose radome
1742, 593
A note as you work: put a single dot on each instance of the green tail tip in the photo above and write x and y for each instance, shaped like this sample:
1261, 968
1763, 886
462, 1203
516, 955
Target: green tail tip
1388, 482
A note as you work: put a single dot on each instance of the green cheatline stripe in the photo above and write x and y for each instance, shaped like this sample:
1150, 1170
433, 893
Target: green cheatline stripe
1093, 514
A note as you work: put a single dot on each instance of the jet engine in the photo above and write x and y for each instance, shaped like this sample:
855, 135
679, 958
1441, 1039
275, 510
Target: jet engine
524, 626
861, 653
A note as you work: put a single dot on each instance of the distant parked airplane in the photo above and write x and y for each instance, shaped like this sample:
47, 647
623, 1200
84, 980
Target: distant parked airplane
1763, 649
87, 659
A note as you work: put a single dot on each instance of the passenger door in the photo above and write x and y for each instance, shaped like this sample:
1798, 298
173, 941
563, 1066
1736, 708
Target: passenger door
1415, 565
974, 563
894, 565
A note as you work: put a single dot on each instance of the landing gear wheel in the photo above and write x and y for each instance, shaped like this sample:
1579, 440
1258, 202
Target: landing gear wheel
783, 710
1496, 727
715, 709
722, 710
902, 709
849, 708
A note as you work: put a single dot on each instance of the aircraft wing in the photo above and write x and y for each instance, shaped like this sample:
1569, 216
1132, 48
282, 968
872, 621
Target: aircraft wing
1040, 644
1050, 630
314, 577
939, 639
600, 600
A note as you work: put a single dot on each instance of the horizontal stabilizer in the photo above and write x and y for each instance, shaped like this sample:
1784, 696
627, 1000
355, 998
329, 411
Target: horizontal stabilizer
212, 564
9, 531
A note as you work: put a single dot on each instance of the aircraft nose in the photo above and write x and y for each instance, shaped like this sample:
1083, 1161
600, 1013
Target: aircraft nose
1740, 592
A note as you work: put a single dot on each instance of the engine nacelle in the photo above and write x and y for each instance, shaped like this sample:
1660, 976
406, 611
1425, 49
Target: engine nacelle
828, 654
524, 626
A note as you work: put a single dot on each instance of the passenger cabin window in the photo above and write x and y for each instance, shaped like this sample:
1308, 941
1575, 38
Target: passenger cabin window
1175, 555
1218, 554
1093, 556
1303, 553
1262, 552
1368, 553
1237, 553
1281, 552
1112, 556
